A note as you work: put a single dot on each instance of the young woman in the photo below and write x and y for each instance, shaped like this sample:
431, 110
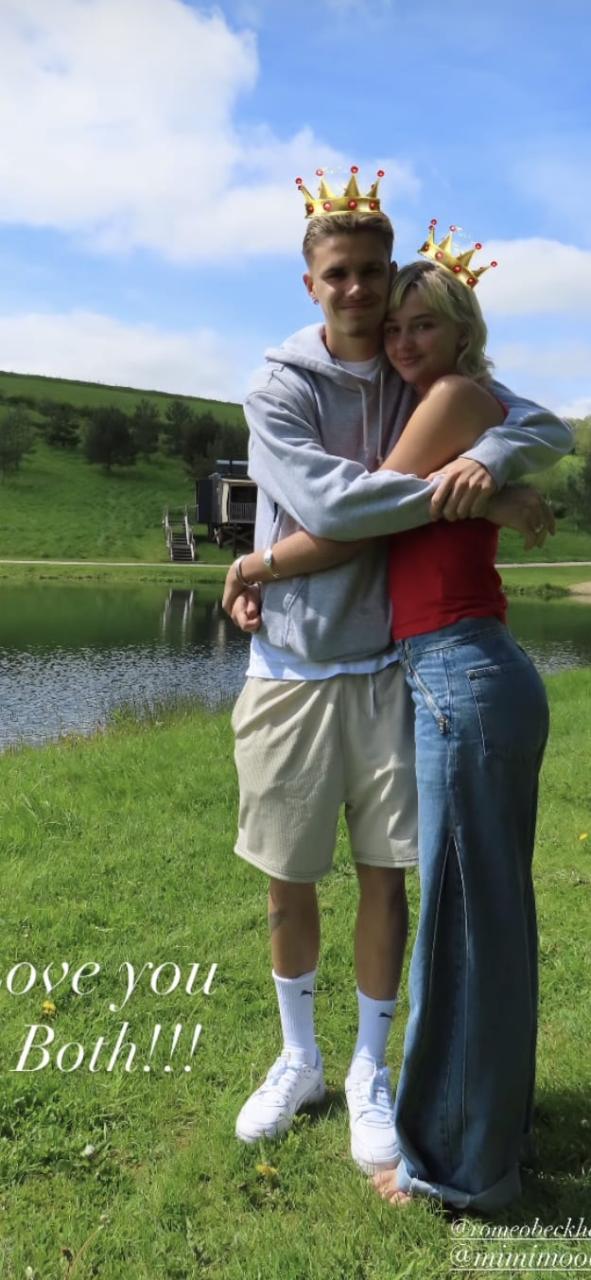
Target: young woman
465, 1092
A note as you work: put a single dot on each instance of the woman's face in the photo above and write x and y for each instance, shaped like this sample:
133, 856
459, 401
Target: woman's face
422, 345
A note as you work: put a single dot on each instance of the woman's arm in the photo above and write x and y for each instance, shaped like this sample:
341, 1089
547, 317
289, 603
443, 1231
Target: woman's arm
449, 419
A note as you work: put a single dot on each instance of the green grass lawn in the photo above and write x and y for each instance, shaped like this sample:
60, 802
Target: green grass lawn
534, 580
118, 849
174, 575
567, 544
59, 507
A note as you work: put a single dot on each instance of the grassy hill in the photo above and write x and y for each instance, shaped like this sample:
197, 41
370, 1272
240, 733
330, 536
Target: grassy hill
59, 507
98, 395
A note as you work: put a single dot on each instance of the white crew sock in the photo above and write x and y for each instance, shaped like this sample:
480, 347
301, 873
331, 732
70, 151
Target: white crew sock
375, 1020
296, 1010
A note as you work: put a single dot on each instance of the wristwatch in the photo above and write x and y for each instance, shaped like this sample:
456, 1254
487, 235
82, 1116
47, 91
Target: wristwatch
269, 562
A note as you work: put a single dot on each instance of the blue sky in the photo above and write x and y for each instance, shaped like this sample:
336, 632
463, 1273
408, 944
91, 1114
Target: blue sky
149, 222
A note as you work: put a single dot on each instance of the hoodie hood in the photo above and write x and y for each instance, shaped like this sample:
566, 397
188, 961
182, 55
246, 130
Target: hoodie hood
306, 350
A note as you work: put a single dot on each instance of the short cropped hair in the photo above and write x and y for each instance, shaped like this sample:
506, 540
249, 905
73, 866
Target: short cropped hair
445, 295
347, 224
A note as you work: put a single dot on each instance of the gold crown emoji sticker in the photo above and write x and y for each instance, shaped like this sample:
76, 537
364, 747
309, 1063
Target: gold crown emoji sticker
352, 199
460, 264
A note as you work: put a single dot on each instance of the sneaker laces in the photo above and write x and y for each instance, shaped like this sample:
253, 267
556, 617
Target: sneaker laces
280, 1079
373, 1096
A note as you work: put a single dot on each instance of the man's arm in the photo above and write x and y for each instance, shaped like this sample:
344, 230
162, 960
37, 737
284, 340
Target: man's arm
331, 497
530, 439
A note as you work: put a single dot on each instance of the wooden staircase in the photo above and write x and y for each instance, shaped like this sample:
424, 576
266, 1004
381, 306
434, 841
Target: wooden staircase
179, 549
180, 539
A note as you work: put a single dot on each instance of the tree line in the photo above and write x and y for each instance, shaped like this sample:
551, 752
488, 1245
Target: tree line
578, 486
109, 437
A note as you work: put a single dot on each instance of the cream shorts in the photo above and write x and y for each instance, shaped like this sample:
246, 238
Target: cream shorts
304, 748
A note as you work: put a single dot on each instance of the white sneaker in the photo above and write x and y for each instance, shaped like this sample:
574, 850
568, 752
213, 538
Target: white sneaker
374, 1145
289, 1086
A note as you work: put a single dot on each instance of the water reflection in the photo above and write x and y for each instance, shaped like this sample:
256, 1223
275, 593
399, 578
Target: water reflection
556, 633
79, 655
70, 655
177, 611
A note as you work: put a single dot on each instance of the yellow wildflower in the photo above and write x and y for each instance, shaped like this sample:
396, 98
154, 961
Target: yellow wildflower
49, 1008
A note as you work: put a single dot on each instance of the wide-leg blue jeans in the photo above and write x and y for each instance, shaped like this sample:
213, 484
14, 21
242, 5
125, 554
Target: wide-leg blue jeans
465, 1094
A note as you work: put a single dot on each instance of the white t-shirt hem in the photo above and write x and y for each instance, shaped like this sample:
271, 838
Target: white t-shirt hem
270, 663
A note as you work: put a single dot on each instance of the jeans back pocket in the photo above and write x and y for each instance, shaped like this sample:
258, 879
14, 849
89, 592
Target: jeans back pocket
511, 706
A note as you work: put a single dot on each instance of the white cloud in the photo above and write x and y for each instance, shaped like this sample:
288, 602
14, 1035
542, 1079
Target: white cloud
535, 276
119, 128
98, 348
554, 373
554, 360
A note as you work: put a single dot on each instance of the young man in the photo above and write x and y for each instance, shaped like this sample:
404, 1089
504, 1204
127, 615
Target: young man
324, 717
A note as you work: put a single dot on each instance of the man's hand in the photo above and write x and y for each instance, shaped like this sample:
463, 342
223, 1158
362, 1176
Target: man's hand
524, 509
246, 610
243, 605
464, 490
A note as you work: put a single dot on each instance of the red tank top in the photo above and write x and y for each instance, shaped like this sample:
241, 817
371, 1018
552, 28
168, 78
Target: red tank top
443, 572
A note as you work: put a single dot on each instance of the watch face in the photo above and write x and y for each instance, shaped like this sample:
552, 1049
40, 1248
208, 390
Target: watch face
268, 562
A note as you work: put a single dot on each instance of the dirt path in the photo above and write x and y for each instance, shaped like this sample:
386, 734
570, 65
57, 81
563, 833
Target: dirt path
581, 589
124, 564
543, 564
201, 564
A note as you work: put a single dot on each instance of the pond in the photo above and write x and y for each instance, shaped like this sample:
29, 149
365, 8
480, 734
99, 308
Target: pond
71, 655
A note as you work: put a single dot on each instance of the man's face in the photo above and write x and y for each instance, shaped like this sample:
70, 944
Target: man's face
350, 277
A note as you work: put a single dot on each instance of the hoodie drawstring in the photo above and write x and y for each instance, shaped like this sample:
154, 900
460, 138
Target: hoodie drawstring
380, 453
373, 708
365, 422
381, 420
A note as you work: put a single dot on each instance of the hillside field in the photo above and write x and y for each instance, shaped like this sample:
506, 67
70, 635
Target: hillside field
59, 507
97, 395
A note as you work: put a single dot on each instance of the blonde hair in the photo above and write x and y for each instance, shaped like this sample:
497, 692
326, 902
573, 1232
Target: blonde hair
347, 224
446, 296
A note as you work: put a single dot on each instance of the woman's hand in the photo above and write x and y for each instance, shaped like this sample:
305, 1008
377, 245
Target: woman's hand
522, 508
464, 490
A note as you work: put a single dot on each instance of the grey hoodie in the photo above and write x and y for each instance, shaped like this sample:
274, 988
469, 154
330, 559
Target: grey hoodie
317, 434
